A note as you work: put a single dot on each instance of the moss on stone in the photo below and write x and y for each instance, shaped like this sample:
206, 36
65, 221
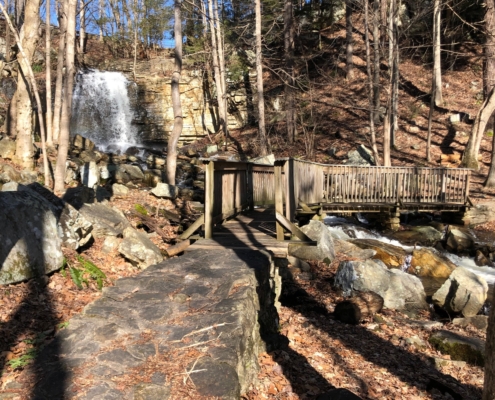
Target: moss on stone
458, 351
141, 209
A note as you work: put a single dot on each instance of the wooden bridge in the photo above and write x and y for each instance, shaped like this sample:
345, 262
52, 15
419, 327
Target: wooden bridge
294, 188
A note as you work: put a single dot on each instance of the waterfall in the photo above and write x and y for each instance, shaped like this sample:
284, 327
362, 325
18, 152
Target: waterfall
101, 110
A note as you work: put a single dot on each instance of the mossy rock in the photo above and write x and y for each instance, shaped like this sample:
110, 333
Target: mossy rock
141, 209
460, 348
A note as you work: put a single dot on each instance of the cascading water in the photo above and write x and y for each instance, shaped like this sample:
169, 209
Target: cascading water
101, 110
345, 229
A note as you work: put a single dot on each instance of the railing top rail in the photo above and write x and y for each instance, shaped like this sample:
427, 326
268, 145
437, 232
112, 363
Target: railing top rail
370, 166
206, 159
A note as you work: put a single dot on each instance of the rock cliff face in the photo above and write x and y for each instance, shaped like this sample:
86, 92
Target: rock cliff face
151, 99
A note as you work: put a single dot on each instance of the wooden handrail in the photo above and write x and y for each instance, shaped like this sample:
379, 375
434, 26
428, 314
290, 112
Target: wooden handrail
232, 187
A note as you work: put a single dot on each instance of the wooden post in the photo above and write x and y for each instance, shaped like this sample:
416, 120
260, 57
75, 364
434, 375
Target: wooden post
290, 201
279, 199
209, 198
468, 181
250, 186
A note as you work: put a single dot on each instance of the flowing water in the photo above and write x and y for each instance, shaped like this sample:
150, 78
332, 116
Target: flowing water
345, 229
101, 110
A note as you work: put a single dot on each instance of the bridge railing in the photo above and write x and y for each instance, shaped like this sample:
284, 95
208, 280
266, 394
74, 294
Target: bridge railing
235, 186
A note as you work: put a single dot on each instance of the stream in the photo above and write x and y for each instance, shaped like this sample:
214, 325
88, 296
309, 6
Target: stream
360, 228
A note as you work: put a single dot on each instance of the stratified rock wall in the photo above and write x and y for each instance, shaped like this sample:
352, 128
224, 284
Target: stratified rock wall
151, 99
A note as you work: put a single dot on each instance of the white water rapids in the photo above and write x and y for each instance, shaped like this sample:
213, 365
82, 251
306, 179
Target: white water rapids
341, 228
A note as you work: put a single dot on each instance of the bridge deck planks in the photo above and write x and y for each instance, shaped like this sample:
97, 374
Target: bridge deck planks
255, 231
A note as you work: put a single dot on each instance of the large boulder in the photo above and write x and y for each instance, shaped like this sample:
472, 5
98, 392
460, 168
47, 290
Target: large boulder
459, 241
324, 249
463, 293
30, 241
139, 249
428, 263
106, 220
75, 230
400, 291
418, 235
392, 256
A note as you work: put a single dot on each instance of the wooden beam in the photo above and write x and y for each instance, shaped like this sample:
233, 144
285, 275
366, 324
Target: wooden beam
193, 228
178, 248
292, 228
304, 206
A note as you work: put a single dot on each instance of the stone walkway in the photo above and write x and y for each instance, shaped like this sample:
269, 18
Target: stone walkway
202, 312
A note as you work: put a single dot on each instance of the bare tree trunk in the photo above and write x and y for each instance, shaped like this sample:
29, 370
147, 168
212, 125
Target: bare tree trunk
489, 58
349, 42
101, 10
221, 65
70, 54
7, 36
289, 70
370, 83
20, 5
489, 385
24, 107
216, 69
48, 49
376, 60
437, 61
489, 84
26, 50
259, 81
394, 121
57, 105
430, 119
470, 157
82, 26
178, 120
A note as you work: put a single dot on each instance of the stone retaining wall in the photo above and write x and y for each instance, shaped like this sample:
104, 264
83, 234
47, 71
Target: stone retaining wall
220, 299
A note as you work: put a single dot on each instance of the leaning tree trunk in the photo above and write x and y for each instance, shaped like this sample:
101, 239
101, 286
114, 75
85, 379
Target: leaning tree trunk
470, 157
70, 53
289, 89
178, 120
437, 68
259, 81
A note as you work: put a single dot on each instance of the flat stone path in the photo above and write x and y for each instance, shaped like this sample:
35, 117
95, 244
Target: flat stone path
191, 319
